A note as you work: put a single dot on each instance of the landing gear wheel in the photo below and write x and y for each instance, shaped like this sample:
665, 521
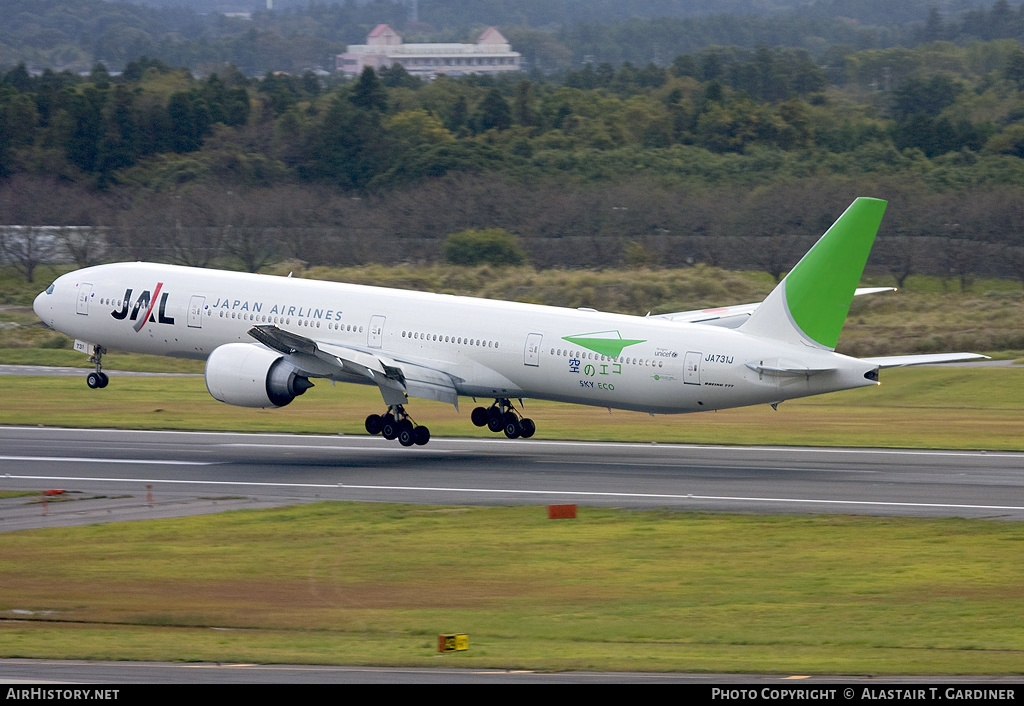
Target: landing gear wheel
389, 427
512, 428
406, 435
479, 416
503, 417
396, 424
528, 428
420, 436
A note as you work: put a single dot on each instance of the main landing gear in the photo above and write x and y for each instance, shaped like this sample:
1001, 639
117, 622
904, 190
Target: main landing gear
97, 379
501, 416
397, 424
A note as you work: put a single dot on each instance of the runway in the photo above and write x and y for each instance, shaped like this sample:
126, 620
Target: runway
112, 475
119, 475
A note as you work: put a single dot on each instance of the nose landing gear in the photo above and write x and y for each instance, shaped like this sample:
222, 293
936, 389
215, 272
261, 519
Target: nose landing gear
97, 379
502, 416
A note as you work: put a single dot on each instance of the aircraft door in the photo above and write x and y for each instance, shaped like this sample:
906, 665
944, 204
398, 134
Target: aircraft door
376, 333
84, 294
532, 353
196, 307
691, 368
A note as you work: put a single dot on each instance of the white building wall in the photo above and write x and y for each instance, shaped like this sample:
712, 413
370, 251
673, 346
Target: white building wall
492, 54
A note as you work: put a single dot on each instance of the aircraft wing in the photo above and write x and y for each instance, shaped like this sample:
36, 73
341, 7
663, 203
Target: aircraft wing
733, 316
898, 361
396, 379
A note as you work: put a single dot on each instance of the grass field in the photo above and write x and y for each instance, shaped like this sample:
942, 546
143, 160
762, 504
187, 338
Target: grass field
612, 590
934, 407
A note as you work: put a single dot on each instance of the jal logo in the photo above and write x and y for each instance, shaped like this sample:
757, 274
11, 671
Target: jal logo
145, 303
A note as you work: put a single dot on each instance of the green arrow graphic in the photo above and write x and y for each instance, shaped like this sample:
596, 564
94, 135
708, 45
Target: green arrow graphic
608, 343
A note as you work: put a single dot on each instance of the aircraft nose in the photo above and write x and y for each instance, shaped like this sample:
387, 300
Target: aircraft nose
41, 306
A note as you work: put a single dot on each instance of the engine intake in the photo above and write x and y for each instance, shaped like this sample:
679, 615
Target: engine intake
249, 375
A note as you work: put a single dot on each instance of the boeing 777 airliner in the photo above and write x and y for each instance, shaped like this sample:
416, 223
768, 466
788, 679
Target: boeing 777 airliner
264, 338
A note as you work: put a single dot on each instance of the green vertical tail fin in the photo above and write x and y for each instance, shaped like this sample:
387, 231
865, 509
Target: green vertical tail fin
810, 305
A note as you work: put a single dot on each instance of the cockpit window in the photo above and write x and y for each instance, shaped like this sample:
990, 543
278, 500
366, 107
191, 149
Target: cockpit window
49, 290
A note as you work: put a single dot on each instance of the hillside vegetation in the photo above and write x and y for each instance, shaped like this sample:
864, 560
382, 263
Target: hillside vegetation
732, 155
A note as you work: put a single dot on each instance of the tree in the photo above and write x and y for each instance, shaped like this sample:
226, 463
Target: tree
100, 77
81, 144
493, 113
236, 106
369, 93
27, 247
491, 246
417, 127
435, 160
254, 245
18, 121
524, 112
19, 78
1014, 69
934, 30
120, 144
280, 92
459, 115
189, 121
929, 97
901, 252
349, 149
395, 76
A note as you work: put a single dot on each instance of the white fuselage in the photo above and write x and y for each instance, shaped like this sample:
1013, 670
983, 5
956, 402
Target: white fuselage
489, 348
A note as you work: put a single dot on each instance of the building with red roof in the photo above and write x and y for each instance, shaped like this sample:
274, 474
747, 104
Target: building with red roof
491, 54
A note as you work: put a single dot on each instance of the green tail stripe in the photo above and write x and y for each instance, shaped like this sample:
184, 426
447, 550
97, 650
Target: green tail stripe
820, 288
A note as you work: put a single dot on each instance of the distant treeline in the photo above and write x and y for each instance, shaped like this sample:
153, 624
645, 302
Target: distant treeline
730, 156
641, 223
940, 114
553, 35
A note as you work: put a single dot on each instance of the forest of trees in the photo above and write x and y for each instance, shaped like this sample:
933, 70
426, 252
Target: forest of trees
727, 155
553, 35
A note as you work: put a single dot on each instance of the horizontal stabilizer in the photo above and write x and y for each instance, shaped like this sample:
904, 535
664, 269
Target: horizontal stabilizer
785, 368
733, 316
899, 361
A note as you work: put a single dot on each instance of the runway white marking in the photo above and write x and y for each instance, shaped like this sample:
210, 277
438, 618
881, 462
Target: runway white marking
522, 491
130, 461
677, 464
520, 443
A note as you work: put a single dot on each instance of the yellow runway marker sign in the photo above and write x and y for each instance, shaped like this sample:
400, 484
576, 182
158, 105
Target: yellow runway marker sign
452, 643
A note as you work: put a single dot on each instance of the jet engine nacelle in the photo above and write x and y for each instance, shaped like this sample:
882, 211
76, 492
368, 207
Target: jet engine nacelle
248, 375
